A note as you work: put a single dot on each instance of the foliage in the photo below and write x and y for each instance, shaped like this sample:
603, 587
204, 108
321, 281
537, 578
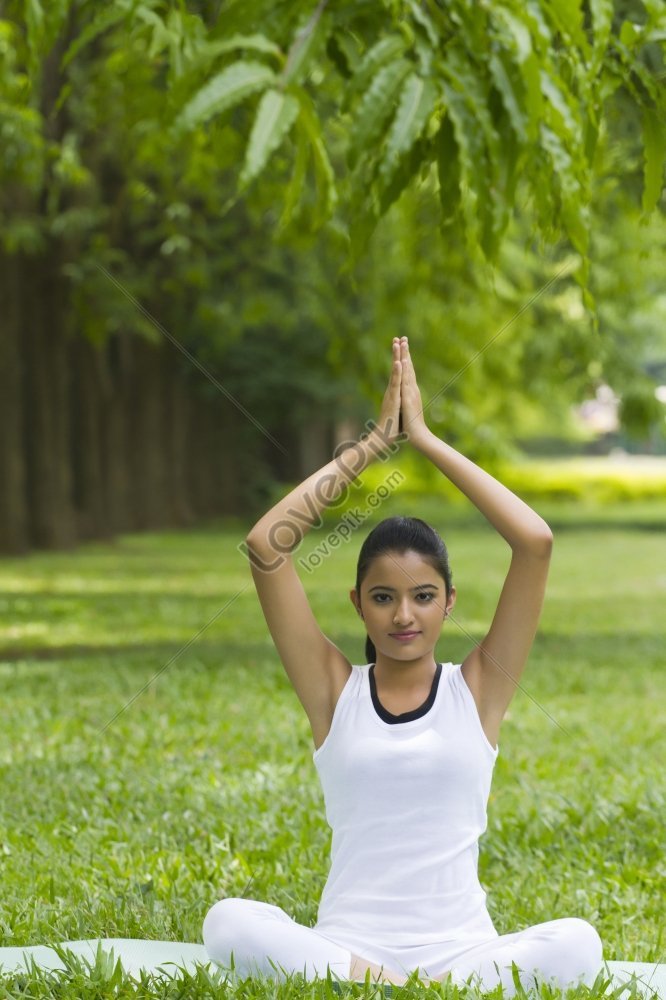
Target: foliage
592, 482
229, 170
484, 94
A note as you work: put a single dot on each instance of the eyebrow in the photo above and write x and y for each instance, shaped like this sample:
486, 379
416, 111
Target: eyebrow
420, 586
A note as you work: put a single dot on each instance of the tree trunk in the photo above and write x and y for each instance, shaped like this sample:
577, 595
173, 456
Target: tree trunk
178, 406
114, 389
146, 433
13, 517
46, 385
88, 487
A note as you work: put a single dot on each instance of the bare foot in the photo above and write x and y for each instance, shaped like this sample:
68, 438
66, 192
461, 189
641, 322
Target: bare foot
359, 967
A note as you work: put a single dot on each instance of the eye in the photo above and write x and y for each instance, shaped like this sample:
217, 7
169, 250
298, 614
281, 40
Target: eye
428, 597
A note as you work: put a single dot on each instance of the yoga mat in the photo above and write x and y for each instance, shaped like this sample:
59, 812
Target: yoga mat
159, 957
163, 958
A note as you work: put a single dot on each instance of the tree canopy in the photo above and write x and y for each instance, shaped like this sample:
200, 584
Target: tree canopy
284, 186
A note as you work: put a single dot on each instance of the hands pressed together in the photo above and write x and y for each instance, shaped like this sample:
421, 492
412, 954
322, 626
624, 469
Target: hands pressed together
402, 398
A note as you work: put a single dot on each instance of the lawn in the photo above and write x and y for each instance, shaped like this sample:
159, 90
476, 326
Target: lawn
154, 757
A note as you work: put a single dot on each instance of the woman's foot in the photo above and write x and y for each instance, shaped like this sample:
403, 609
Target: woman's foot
359, 967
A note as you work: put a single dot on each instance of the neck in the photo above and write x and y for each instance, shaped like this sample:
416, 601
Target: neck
405, 674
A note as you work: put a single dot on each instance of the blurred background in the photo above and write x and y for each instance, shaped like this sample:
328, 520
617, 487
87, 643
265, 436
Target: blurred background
177, 347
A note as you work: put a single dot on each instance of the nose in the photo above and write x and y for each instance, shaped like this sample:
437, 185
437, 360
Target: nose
403, 615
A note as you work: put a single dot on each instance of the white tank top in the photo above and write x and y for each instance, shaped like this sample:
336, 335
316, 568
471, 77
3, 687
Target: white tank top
406, 799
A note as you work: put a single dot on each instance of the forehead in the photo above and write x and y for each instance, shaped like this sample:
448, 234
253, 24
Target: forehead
401, 570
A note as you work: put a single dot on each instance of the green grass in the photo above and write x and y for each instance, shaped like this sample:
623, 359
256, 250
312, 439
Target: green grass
131, 821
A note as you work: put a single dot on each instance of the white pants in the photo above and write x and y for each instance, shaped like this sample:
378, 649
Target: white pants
259, 939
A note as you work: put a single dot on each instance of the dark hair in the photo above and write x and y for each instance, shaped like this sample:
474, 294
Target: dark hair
398, 534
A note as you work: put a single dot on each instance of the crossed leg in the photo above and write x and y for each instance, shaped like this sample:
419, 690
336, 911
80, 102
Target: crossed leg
258, 938
563, 951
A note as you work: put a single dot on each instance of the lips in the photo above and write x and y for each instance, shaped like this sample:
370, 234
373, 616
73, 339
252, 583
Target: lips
403, 635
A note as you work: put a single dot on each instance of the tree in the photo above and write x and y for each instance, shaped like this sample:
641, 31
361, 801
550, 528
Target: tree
151, 184
494, 97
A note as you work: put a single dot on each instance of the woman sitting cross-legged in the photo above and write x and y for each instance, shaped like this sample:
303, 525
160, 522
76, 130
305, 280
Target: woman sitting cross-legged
404, 746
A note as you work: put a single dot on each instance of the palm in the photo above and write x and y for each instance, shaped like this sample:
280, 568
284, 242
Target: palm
389, 417
411, 406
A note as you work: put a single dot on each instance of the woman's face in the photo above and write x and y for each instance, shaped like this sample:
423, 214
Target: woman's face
403, 593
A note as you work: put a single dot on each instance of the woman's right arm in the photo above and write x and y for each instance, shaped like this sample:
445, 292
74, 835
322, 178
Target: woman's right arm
317, 669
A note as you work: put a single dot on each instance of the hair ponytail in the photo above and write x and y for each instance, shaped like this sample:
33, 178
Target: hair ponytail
400, 534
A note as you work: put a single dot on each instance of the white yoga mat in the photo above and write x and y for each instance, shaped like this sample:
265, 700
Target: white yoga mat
159, 957
168, 958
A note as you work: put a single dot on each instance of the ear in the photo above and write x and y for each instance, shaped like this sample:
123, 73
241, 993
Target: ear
451, 600
355, 601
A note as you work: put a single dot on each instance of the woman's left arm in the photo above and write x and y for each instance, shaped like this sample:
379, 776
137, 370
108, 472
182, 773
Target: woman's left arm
493, 668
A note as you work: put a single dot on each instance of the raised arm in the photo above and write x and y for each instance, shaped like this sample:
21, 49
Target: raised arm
315, 666
493, 668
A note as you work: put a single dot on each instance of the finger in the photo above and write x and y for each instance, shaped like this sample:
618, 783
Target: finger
396, 375
396, 354
405, 358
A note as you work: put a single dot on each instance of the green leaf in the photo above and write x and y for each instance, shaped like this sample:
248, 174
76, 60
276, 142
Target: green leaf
259, 43
375, 107
340, 50
556, 99
516, 49
656, 12
297, 182
327, 194
276, 114
574, 209
417, 102
426, 41
568, 17
404, 172
509, 87
422, 18
448, 170
590, 135
602, 20
507, 179
386, 50
515, 31
475, 92
654, 148
105, 19
472, 160
533, 96
161, 36
629, 33
363, 224
228, 88
35, 34
310, 40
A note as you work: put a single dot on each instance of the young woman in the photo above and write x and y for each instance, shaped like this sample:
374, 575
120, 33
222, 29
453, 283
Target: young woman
404, 746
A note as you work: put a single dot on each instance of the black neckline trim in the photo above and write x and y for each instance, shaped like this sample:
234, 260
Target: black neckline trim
415, 713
